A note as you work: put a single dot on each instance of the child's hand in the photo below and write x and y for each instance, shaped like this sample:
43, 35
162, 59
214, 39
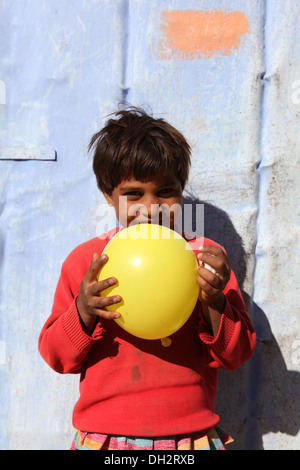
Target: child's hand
212, 282
90, 304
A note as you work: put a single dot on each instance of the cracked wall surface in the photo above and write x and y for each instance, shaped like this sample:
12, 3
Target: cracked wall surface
227, 74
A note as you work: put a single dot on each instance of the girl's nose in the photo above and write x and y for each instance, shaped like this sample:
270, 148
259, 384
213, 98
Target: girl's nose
149, 210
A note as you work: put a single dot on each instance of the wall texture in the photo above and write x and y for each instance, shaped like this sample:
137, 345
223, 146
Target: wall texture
227, 74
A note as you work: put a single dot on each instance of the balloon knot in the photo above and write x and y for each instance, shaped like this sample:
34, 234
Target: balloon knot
166, 342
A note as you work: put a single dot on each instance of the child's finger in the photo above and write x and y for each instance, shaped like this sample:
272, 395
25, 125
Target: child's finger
97, 263
214, 259
202, 264
97, 306
208, 280
103, 302
94, 293
107, 314
97, 287
212, 249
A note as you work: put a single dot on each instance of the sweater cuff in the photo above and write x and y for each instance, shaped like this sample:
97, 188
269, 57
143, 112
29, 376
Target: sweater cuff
73, 329
226, 329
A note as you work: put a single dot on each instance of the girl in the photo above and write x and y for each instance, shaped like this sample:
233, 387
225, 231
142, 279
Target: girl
136, 393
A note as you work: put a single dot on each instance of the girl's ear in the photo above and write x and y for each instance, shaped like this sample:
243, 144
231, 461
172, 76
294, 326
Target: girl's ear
108, 199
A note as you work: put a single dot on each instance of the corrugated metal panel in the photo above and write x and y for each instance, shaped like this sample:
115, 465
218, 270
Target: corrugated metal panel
61, 62
226, 73
275, 366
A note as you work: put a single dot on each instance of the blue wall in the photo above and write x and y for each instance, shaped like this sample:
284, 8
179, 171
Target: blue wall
227, 74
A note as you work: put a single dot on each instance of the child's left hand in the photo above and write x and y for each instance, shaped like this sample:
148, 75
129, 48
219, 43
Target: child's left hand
212, 283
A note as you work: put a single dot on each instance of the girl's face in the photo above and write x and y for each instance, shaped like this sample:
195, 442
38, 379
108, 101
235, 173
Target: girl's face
156, 201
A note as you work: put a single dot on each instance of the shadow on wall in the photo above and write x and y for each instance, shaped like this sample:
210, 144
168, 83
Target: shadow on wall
262, 396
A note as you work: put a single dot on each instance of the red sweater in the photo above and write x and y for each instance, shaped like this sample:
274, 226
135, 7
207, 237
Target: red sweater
131, 386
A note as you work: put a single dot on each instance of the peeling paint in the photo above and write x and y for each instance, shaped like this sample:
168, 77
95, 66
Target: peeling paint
196, 34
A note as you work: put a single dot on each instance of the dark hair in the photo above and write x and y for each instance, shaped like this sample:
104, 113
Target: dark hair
134, 144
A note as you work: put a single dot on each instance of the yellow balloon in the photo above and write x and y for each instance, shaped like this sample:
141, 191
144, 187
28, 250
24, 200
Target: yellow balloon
156, 271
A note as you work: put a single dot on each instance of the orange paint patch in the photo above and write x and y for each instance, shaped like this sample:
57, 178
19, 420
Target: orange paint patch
194, 34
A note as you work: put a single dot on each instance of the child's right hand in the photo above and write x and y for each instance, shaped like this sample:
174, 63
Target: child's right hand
90, 304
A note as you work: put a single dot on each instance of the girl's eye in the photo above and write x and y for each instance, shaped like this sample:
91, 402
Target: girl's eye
166, 191
132, 194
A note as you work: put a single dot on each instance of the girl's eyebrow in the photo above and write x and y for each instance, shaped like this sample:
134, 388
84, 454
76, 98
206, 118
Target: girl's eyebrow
130, 188
139, 188
170, 183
